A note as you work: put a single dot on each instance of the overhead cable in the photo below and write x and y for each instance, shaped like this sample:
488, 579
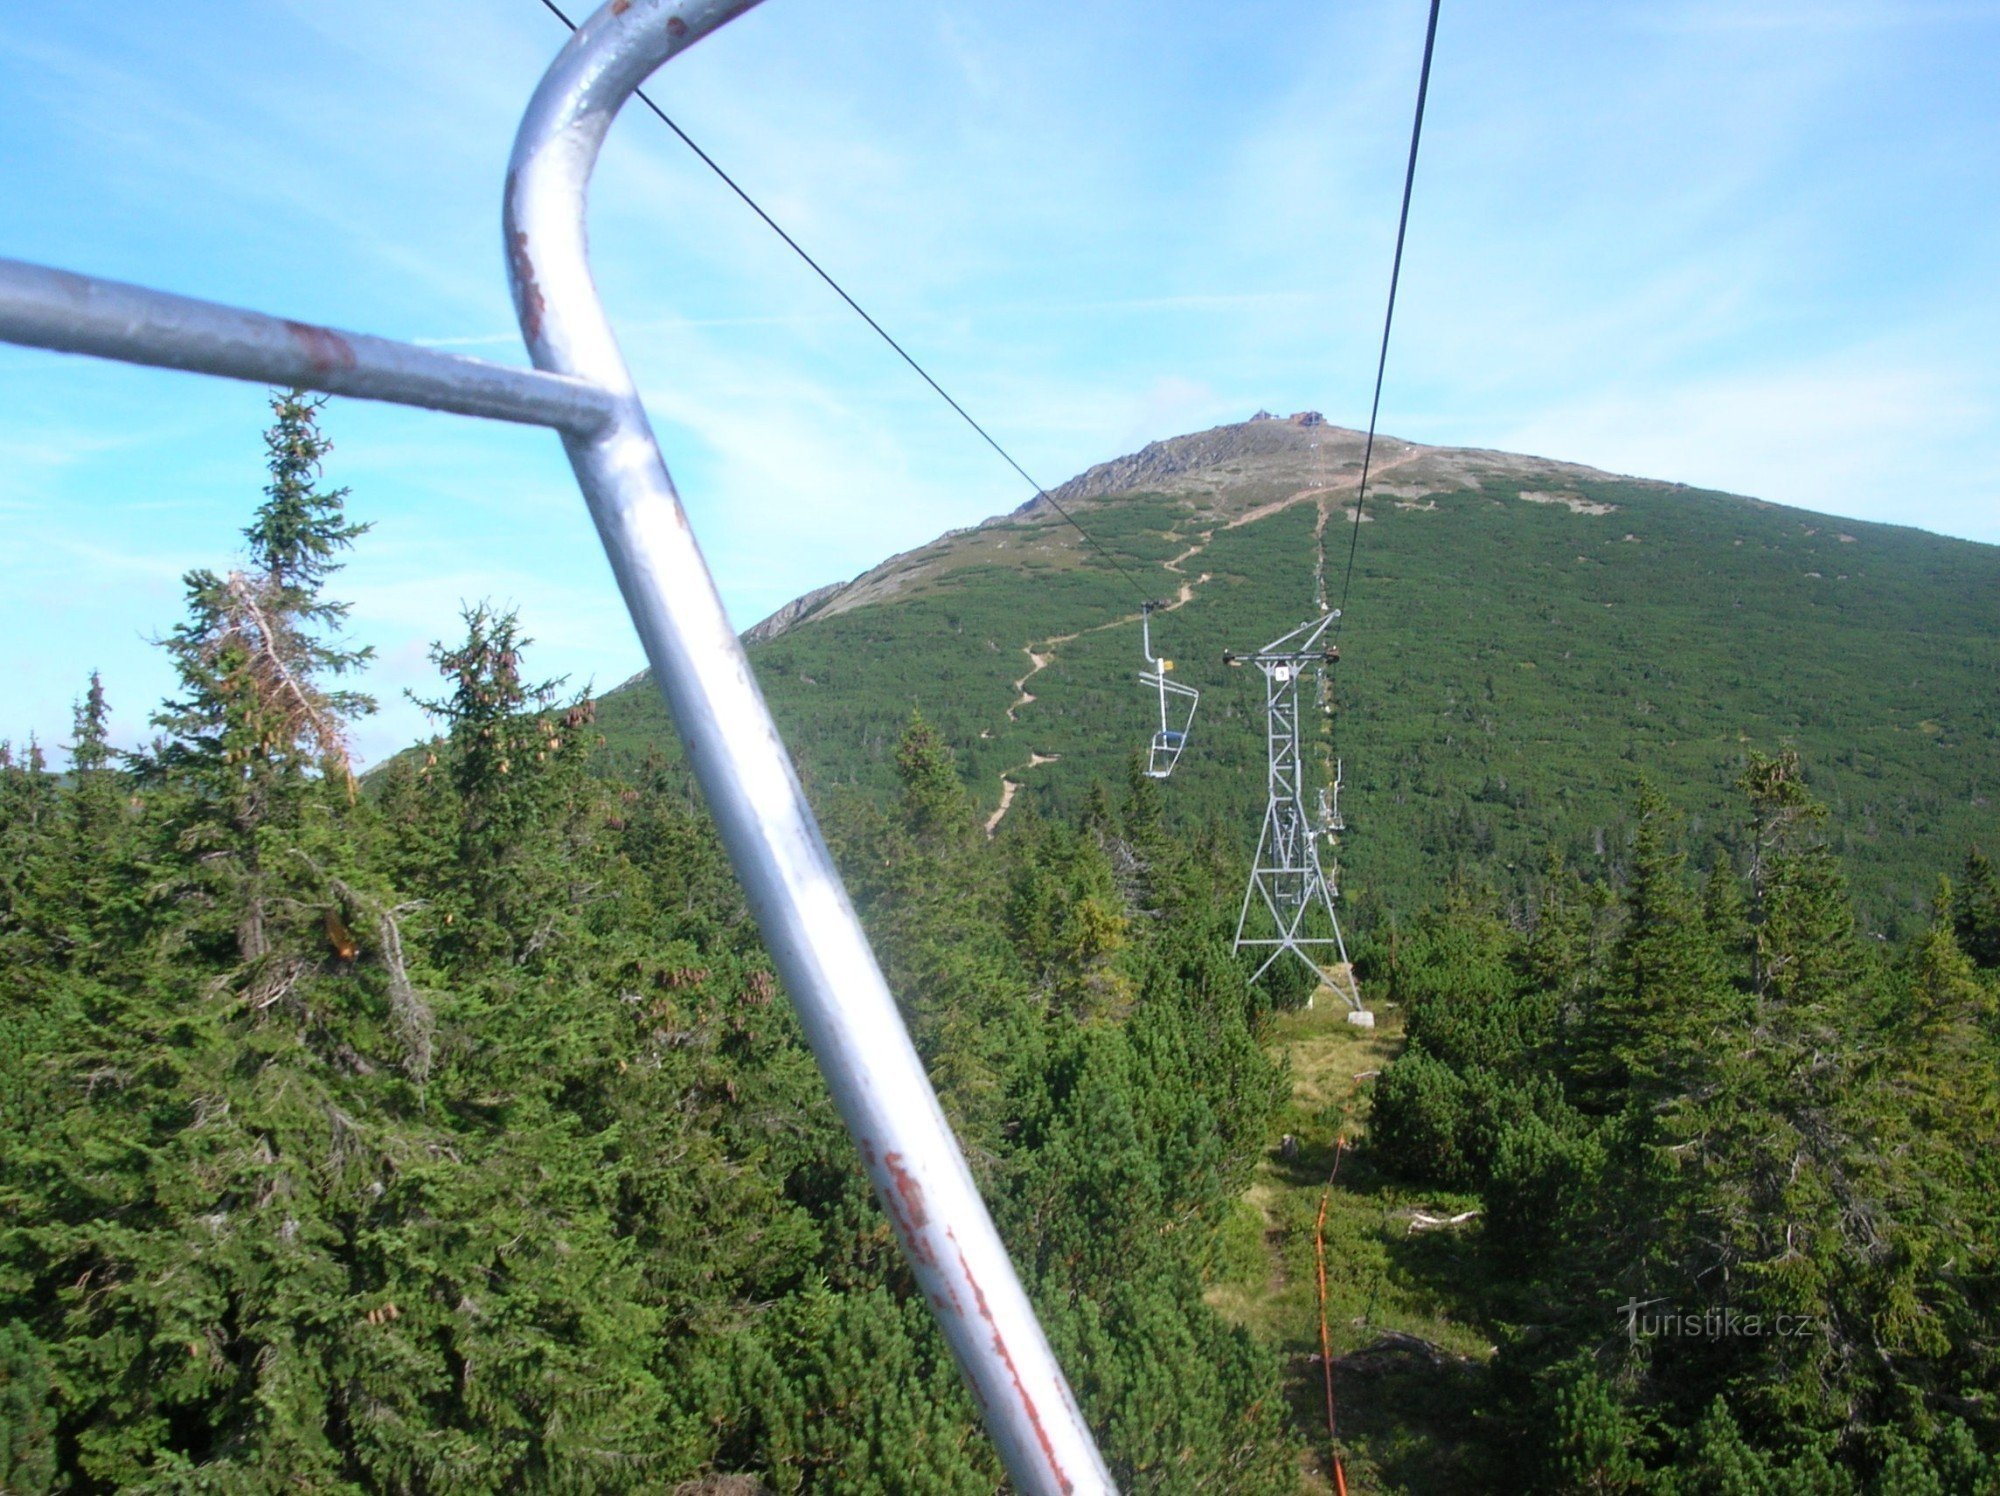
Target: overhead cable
862, 312
1389, 316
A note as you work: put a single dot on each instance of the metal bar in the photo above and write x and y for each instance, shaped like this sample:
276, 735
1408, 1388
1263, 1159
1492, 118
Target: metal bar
850, 1019
69, 313
583, 389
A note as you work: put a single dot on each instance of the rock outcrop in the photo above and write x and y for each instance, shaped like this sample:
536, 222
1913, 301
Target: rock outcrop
800, 607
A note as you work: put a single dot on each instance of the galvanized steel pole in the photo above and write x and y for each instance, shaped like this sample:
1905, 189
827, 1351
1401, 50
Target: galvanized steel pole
849, 1017
70, 313
582, 389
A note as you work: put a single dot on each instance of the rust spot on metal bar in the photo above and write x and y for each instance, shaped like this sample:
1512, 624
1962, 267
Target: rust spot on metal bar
1027, 1402
904, 1200
327, 350
676, 27
526, 292
619, 7
908, 1188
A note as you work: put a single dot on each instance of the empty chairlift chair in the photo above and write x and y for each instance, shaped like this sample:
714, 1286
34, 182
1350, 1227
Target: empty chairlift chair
1177, 703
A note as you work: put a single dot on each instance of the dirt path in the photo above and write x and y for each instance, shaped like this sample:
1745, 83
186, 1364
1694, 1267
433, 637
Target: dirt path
1265, 511
1009, 785
1038, 662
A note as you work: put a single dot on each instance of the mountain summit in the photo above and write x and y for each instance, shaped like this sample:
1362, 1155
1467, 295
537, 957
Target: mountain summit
1233, 474
1525, 640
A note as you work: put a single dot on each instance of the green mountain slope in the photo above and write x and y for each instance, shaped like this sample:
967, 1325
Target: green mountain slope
1525, 639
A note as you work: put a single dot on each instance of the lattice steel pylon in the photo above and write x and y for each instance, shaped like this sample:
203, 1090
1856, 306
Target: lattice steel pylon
1288, 905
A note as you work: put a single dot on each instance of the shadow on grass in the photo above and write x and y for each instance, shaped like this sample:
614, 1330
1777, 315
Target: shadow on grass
1410, 1414
1406, 1314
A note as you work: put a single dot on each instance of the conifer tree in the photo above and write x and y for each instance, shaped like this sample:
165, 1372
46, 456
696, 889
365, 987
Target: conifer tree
1143, 831
260, 649
31, 839
1560, 948
92, 749
934, 800
99, 903
27, 1427
524, 813
931, 893
260, 729
300, 529
1145, 820
1098, 819
1593, 1439
1803, 938
94, 799
1716, 1460
1723, 910
1976, 918
1068, 920
1664, 997
1933, 1298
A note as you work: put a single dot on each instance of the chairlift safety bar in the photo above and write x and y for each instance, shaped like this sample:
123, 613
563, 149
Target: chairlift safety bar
581, 388
1177, 703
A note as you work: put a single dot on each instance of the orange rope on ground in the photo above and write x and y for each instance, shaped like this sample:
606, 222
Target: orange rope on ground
1326, 1340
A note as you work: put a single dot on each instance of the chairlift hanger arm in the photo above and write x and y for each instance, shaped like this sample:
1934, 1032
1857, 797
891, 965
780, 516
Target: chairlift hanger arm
70, 313
581, 388
878, 1082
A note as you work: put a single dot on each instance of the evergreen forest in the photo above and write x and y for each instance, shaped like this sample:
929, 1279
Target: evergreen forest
445, 1129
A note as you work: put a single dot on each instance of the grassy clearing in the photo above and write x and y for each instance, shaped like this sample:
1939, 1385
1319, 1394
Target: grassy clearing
1402, 1307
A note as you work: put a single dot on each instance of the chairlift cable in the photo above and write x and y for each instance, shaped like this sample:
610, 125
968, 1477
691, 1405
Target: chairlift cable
1389, 315
862, 312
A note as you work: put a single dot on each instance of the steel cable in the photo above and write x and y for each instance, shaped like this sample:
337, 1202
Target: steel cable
1389, 315
862, 312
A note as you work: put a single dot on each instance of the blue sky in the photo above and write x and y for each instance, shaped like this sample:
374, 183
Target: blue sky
1747, 245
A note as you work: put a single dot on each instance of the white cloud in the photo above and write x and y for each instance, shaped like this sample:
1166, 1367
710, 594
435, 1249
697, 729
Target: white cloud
1853, 436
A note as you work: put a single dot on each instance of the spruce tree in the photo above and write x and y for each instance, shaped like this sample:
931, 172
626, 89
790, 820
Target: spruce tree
259, 731
32, 839
1803, 938
204, 1122
1942, 1066
522, 799
301, 529
27, 1423
96, 805
1976, 918
102, 903
1558, 955
1723, 910
1664, 1000
1067, 915
934, 800
931, 891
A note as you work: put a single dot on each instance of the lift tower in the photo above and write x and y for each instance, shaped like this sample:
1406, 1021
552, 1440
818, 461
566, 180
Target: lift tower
1288, 905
